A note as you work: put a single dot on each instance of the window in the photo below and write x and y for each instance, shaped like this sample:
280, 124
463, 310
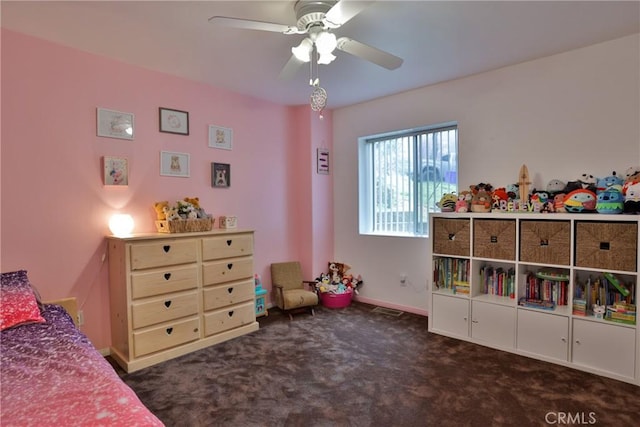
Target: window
402, 177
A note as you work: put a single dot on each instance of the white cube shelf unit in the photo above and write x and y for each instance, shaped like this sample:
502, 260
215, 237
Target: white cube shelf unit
527, 284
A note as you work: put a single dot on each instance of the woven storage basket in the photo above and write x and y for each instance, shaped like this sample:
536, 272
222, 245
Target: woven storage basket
545, 242
185, 225
607, 245
451, 236
494, 238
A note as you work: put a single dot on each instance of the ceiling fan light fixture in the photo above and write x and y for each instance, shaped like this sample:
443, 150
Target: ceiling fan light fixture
326, 58
326, 42
303, 51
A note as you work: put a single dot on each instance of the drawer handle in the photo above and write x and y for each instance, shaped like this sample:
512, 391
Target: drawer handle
229, 242
167, 303
169, 331
230, 266
605, 246
231, 313
230, 290
166, 248
167, 276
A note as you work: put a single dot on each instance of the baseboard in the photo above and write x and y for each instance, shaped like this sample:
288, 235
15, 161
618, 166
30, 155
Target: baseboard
105, 351
386, 304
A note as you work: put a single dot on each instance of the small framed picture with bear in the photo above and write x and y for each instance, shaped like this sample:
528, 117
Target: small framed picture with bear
220, 175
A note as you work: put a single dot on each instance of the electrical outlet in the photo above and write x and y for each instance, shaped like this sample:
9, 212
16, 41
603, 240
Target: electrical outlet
80, 317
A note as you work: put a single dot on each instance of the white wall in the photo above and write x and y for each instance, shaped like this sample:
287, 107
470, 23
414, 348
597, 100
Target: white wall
561, 115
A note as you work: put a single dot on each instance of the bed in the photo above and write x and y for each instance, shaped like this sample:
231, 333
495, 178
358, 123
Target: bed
50, 372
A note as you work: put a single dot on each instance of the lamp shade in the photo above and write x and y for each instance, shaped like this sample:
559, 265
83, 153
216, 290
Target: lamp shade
326, 42
303, 51
121, 225
326, 58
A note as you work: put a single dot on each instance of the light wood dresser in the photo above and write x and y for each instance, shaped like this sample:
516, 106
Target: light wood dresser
172, 294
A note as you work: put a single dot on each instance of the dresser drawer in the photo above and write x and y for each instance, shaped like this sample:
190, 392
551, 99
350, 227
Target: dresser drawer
163, 253
228, 294
227, 246
167, 336
226, 271
228, 318
163, 281
165, 309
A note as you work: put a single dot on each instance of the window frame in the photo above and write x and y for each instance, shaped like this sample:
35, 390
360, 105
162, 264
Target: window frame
367, 179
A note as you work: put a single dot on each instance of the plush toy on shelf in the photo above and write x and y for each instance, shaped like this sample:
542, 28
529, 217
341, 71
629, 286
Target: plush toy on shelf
580, 200
447, 202
631, 191
481, 200
463, 204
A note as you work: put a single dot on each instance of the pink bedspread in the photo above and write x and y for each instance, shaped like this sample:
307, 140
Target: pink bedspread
51, 375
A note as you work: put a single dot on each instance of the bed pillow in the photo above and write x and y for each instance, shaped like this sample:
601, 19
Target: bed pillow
18, 301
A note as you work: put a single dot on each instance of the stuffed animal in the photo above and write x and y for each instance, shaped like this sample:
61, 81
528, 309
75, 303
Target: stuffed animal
447, 202
632, 197
588, 182
607, 182
463, 204
498, 197
195, 202
555, 186
159, 207
171, 213
539, 196
610, 201
558, 202
631, 191
337, 270
580, 200
481, 200
631, 171
513, 191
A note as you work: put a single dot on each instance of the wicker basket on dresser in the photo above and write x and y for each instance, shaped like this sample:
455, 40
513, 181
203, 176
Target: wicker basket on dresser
172, 294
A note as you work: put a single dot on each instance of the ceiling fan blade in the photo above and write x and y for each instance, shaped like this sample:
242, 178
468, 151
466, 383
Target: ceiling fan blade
290, 68
249, 24
369, 53
343, 11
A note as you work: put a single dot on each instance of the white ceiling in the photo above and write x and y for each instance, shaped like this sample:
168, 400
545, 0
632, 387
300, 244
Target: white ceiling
438, 40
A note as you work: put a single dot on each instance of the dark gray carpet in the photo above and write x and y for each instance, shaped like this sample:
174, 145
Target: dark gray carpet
354, 367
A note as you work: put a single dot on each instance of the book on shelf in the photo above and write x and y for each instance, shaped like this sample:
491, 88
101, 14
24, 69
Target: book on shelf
555, 291
497, 281
579, 307
537, 303
449, 272
613, 280
621, 313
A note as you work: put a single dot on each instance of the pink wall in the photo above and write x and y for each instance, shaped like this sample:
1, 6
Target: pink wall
55, 209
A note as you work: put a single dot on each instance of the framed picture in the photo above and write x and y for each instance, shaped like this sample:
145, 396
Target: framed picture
174, 164
115, 171
323, 161
220, 137
114, 124
174, 121
220, 175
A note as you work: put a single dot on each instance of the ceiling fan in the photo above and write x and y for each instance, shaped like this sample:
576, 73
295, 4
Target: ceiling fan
317, 19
